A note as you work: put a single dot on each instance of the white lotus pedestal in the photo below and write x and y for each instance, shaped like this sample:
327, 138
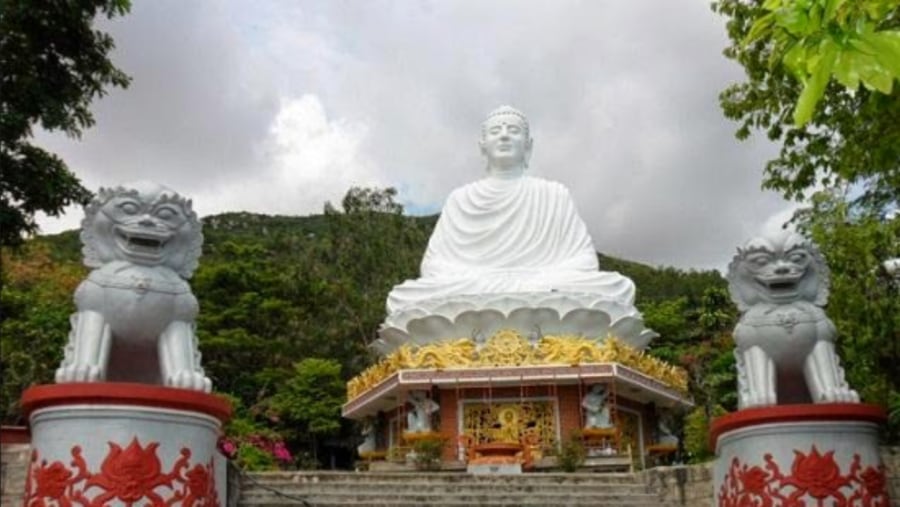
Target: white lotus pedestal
115, 444
823, 455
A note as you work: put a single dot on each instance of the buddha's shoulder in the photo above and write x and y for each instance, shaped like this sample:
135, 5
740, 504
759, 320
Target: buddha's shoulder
482, 189
548, 184
547, 188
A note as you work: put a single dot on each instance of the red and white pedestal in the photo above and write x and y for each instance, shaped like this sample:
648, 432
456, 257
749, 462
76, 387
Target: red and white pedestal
823, 455
109, 444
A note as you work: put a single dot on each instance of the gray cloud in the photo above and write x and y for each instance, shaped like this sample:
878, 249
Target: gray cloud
622, 98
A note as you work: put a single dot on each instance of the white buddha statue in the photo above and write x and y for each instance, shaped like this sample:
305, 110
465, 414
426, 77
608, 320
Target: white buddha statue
509, 232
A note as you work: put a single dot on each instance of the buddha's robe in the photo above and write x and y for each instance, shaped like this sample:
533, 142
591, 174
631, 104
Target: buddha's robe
511, 235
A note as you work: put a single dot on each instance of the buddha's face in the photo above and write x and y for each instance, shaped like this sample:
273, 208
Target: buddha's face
505, 141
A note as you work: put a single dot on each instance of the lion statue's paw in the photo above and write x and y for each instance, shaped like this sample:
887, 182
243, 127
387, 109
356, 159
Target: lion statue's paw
192, 380
840, 395
760, 400
79, 373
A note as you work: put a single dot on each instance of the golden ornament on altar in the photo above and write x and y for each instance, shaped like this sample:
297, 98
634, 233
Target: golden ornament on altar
571, 350
442, 355
508, 348
530, 421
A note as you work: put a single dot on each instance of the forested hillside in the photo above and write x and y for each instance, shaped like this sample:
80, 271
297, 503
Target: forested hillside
289, 305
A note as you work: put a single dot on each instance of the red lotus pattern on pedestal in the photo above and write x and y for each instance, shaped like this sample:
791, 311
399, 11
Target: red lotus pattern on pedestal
132, 476
814, 478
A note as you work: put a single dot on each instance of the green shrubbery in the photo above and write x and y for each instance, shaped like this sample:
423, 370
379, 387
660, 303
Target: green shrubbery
696, 433
428, 451
572, 453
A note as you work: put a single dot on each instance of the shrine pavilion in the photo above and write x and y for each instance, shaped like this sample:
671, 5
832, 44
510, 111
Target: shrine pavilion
526, 397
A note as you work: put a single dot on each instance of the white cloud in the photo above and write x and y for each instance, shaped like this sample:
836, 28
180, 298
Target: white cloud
307, 159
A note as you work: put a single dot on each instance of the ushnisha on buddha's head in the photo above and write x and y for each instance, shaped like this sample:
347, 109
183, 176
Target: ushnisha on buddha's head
506, 141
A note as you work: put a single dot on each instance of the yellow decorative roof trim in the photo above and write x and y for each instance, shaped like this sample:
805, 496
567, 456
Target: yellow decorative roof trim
508, 348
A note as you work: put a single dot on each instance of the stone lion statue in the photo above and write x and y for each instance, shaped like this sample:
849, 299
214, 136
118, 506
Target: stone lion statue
785, 342
136, 312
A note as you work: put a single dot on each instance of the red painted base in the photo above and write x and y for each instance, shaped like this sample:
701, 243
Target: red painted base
125, 475
117, 444
115, 393
795, 413
800, 456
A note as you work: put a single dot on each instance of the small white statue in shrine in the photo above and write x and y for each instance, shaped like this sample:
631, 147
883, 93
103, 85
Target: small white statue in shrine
368, 444
596, 406
418, 420
664, 435
509, 232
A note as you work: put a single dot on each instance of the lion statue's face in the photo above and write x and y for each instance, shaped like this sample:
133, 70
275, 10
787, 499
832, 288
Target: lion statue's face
778, 270
142, 223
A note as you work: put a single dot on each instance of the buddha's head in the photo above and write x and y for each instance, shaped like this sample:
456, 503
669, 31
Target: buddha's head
505, 139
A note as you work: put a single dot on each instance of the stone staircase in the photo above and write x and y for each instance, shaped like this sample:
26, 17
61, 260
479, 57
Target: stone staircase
275, 489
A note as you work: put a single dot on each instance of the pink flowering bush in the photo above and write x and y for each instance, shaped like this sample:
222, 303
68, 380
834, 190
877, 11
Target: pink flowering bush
262, 452
281, 453
253, 445
228, 447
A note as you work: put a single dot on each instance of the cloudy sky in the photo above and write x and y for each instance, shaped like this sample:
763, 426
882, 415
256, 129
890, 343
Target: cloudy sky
275, 107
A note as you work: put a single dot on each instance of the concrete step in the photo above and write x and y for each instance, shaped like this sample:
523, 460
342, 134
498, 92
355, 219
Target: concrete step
444, 489
418, 502
444, 477
434, 487
470, 497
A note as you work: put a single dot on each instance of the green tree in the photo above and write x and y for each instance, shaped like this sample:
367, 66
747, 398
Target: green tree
822, 39
54, 63
709, 357
864, 300
247, 318
789, 50
35, 305
696, 433
371, 247
697, 336
309, 402
657, 284
368, 200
